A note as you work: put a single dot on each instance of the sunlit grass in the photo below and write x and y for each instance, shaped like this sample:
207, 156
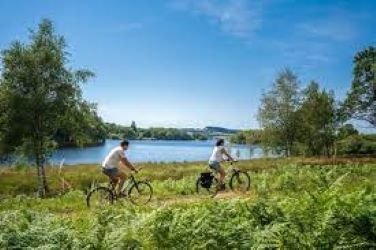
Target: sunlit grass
292, 203
81, 177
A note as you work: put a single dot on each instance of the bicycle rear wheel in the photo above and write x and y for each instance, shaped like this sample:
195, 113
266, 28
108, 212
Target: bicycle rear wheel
99, 197
140, 193
240, 181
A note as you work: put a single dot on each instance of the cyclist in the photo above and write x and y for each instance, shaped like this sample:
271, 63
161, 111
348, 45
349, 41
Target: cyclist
215, 161
111, 164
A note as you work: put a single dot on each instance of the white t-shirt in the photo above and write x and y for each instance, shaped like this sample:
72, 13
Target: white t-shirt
217, 154
113, 158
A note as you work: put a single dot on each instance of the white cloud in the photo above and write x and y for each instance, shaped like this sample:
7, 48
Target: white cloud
337, 27
235, 17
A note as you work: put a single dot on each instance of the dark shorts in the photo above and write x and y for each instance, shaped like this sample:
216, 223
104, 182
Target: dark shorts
214, 165
111, 172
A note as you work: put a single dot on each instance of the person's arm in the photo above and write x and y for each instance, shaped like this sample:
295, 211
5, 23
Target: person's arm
229, 157
127, 163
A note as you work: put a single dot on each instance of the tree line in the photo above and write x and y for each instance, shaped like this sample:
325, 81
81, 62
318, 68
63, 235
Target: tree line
310, 122
115, 131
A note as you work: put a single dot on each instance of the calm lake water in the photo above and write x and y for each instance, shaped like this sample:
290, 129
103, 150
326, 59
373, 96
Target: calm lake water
153, 151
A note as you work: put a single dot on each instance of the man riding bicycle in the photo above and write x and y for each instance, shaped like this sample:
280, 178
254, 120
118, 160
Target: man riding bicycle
111, 164
215, 161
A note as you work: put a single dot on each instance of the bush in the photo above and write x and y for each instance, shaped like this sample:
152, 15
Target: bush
357, 145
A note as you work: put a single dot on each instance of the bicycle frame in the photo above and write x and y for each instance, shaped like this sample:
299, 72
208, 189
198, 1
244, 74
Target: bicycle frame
231, 169
129, 181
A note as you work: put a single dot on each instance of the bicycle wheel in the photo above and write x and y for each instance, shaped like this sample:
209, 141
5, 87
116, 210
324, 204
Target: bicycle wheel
206, 190
240, 181
99, 197
140, 193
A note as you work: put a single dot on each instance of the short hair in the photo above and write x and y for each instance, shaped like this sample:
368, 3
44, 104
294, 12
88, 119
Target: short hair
220, 142
124, 143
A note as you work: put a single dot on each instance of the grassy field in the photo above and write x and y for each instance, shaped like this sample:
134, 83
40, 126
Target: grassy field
293, 204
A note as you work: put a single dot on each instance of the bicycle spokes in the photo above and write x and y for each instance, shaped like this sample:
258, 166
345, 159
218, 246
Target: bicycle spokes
99, 197
240, 181
140, 193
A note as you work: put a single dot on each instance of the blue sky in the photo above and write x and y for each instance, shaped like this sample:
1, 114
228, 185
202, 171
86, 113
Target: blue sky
186, 63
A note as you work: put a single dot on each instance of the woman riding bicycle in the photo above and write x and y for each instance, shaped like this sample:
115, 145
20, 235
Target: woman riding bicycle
215, 161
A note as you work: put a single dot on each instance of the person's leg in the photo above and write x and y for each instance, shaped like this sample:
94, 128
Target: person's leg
109, 173
115, 176
222, 175
216, 166
122, 177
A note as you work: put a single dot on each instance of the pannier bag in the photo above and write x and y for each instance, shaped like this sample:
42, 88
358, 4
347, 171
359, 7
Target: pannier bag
206, 179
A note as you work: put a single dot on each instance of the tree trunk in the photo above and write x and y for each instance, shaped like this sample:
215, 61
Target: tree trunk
288, 149
42, 180
41, 190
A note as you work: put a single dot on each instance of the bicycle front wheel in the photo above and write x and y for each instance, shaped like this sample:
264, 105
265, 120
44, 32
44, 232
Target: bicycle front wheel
140, 193
240, 181
99, 197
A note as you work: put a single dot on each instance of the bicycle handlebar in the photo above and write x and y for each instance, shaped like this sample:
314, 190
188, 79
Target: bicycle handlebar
137, 170
232, 162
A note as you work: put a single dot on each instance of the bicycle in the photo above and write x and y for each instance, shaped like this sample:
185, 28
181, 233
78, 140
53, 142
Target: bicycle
209, 184
137, 192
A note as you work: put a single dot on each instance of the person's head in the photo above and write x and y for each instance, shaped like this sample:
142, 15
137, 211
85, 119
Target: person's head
124, 144
220, 142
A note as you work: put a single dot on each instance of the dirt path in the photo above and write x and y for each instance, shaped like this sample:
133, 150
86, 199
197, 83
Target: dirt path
166, 201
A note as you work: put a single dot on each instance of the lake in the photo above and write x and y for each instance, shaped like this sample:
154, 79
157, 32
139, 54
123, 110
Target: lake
153, 151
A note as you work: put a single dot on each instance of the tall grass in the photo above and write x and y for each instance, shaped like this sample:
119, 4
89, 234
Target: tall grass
22, 180
290, 206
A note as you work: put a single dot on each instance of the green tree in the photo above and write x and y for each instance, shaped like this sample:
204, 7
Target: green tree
40, 95
278, 114
133, 126
317, 121
250, 137
346, 131
199, 137
129, 133
91, 129
145, 133
238, 138
361, 99
357, 144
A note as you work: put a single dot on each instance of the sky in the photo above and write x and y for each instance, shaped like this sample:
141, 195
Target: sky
197, 63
